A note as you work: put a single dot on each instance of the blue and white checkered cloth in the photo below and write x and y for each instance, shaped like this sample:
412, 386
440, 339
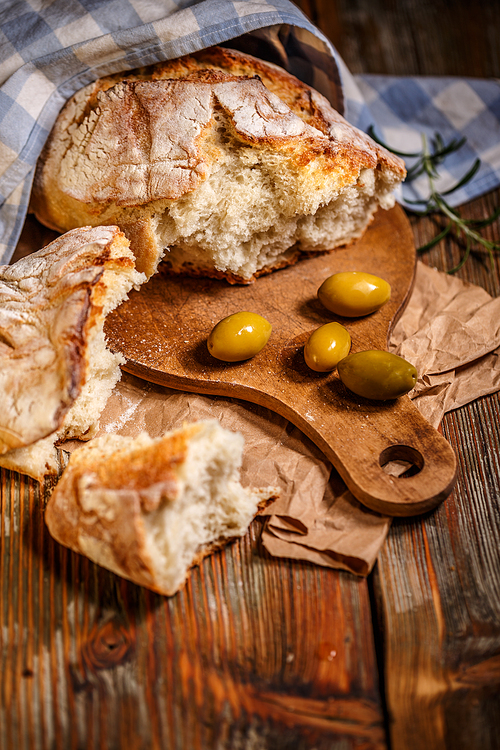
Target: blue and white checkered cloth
51, 48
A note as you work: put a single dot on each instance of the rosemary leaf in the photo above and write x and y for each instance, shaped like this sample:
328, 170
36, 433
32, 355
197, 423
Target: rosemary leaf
463, 259
465, 179
435, 241
372, 134
443, 151
427, 162
480, 223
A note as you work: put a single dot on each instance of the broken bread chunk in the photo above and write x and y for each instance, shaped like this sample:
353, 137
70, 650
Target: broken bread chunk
149, 509
219, 163
56, 373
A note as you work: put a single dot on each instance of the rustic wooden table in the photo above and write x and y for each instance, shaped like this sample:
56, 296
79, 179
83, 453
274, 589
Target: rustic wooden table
266, 654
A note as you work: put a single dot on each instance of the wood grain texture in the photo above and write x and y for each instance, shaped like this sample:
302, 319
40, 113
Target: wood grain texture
254, 652
438, 591
89, 661
437, 581
412, 37
436, 584
162, 331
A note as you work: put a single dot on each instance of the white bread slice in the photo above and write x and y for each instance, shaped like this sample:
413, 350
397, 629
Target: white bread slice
149, 509
56, 373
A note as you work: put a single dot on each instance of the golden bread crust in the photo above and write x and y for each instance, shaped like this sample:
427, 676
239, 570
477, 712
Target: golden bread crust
128, 147
49, 303
109, 502
122, 485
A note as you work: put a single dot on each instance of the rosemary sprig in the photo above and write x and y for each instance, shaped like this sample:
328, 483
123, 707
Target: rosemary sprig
427, 162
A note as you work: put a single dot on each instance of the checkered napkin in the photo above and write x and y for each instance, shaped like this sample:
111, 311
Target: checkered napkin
51, 48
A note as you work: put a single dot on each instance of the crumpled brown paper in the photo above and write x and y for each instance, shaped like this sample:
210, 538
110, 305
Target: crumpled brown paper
450, 331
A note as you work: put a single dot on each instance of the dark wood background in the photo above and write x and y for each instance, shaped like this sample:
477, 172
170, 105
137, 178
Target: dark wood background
259, 653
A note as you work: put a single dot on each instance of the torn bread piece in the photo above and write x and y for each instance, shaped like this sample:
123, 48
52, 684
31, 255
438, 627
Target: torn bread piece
56, 373
149, 509
219, 163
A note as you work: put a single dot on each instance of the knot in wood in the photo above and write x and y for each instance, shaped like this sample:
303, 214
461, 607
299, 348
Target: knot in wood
108, 645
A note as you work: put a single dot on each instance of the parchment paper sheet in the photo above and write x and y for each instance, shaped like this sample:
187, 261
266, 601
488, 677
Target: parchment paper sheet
450, 331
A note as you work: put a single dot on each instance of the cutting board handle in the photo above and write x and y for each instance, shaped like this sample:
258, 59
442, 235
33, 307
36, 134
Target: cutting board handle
367, 437
359, 437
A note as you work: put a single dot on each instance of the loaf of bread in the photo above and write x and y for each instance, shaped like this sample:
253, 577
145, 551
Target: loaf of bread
56, 373
218, 163
149, 509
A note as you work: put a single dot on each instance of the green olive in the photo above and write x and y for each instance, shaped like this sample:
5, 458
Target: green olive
377, 374
353, 293
239, 336
326, 346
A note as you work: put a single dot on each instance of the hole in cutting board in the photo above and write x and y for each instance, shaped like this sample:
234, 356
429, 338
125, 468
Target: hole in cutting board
401, 461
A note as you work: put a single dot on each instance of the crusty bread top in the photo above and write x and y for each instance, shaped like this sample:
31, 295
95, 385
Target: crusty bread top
49, 302
134, 139
149, 509
103, 492
147, 467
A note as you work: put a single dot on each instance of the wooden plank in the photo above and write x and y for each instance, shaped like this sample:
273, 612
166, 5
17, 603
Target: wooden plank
89, 661
254, 652
437, 580
458, 38
437, 587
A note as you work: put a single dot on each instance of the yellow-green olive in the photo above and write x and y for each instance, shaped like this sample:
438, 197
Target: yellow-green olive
353, 293
239, 336
326, 346
377, 374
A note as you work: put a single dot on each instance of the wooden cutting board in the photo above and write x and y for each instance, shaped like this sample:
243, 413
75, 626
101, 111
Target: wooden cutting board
162, 331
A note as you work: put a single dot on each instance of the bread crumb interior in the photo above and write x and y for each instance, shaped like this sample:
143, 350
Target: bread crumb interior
210, 507
256, 210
